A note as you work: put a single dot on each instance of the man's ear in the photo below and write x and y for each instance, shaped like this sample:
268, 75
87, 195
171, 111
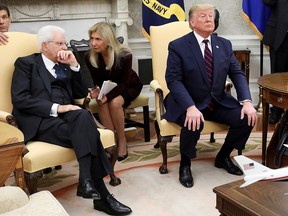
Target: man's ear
44, 46
216, 19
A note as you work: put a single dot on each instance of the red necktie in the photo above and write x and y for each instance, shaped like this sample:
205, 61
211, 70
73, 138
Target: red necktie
208, 59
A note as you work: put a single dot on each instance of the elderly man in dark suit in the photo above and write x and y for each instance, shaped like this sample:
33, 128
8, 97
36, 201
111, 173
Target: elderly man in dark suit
43, 88
276, 37
197, 68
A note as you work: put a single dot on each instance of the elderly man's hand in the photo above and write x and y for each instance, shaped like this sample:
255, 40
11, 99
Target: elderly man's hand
67, 108
67, 57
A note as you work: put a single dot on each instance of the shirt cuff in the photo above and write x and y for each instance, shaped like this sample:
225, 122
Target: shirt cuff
75, 69
53, 111
246, 100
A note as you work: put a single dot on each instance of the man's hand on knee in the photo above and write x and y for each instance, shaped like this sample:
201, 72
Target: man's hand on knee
67, 108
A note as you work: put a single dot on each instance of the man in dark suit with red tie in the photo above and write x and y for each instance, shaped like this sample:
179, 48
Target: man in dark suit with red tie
196, 79
43, 88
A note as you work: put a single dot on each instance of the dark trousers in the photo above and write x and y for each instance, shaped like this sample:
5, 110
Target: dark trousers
77, 129
279, 57
279, 63
237, 135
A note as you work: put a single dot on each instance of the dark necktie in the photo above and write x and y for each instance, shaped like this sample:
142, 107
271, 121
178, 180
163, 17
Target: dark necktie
208, 59
59, 72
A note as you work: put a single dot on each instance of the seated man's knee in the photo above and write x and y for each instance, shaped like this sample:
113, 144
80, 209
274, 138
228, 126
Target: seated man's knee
83, 113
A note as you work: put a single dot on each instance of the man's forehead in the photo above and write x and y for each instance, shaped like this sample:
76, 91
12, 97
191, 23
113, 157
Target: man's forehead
205, 11
3, 12
58, 36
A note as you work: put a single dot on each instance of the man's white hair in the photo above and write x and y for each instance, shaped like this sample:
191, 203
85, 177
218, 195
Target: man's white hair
46, 33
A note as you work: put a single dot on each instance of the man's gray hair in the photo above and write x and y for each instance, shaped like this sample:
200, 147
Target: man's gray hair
46, 33
203, 6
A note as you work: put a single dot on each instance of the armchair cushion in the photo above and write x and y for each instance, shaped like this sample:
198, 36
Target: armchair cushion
14, 201
140, 101
42, 151
170, 128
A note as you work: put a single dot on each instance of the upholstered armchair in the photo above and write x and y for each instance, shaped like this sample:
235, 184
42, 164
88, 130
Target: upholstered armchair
40, 155
80, 47
160, 38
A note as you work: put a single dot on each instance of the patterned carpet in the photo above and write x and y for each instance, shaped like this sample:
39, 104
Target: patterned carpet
148, 192
143, 153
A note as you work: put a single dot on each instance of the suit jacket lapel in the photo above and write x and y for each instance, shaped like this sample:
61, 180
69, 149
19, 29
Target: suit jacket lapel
216, 50
43, 73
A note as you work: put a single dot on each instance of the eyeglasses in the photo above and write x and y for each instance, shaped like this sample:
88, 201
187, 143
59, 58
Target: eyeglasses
59, 43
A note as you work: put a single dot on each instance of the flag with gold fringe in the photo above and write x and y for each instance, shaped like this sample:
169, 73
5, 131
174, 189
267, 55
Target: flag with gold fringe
256, 14
159, 12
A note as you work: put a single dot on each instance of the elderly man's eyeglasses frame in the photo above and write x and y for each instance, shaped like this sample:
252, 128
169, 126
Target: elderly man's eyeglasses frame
59, 43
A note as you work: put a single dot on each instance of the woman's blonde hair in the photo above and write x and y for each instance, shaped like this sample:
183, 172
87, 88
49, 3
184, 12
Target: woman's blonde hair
115, 49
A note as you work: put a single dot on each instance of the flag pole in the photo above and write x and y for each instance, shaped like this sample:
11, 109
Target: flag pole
261, 57
259, 105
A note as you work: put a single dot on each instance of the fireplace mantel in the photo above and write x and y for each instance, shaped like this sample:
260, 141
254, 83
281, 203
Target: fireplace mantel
76, 17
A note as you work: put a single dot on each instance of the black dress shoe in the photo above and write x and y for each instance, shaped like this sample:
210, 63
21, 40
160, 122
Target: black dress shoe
227, 164
111, 206
87, 190
122, 157
185, 176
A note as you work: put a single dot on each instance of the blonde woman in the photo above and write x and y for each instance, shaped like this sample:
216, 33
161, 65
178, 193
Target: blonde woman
110, 60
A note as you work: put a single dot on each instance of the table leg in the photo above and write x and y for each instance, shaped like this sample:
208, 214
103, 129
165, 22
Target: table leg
265, 108
19, 175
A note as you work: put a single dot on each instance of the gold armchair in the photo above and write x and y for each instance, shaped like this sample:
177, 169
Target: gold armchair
40, 155
160, 38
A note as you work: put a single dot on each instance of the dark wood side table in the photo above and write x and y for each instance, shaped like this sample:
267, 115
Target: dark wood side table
273, 90
243, 57
11, 148
264, 198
